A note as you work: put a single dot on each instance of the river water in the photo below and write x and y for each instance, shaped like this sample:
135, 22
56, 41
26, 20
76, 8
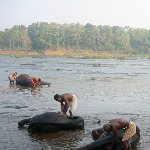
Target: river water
105, 88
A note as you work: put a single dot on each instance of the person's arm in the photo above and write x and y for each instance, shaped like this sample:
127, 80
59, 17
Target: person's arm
62, 107
115, 131
104, 134
66, 107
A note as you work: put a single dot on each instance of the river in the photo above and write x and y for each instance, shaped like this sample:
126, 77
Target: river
105, 88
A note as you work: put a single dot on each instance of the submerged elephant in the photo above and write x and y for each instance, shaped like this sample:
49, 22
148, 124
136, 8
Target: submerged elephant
28, 81
101, 144
52, 121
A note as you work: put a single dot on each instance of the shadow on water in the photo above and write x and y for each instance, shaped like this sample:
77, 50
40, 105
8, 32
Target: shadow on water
60, 139
24, 90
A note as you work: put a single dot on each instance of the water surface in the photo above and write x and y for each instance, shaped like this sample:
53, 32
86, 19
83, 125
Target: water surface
105, 89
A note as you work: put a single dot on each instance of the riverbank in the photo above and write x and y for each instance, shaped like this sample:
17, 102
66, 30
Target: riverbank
65, 53
85, 54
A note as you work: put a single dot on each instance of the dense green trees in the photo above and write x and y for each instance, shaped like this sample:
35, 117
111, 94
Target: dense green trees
40, 36
15, 38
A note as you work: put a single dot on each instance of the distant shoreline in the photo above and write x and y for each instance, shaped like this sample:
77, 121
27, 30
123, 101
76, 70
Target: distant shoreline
85, 54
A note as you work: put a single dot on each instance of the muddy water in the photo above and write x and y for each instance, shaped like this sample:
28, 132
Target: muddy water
105, 89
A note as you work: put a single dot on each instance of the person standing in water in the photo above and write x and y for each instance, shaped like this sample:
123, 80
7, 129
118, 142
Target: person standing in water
68, 102
12, 77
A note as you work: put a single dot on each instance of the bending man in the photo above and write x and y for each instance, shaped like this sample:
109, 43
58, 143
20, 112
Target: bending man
68, 102
129, 130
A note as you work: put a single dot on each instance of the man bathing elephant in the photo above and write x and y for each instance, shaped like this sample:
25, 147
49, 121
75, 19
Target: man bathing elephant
26, 80
114, 125
68, 102
12, 77
35, 81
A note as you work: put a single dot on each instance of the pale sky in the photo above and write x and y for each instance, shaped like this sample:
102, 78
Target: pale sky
133, 13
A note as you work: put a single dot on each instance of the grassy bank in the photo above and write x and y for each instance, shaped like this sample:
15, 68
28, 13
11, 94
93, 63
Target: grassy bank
64, 53
19, 53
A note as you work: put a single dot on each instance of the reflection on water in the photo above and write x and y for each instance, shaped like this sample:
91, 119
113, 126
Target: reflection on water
24, 90
105, 89
59, 140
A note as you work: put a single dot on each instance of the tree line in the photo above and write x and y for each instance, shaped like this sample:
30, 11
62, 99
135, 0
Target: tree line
41, 36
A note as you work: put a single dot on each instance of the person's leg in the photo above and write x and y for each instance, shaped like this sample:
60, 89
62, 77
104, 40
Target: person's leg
129, 145
128, 133
11, 81
71, 115
125, 145
72, 105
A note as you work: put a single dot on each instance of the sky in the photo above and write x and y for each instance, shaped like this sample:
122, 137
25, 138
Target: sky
133, 13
